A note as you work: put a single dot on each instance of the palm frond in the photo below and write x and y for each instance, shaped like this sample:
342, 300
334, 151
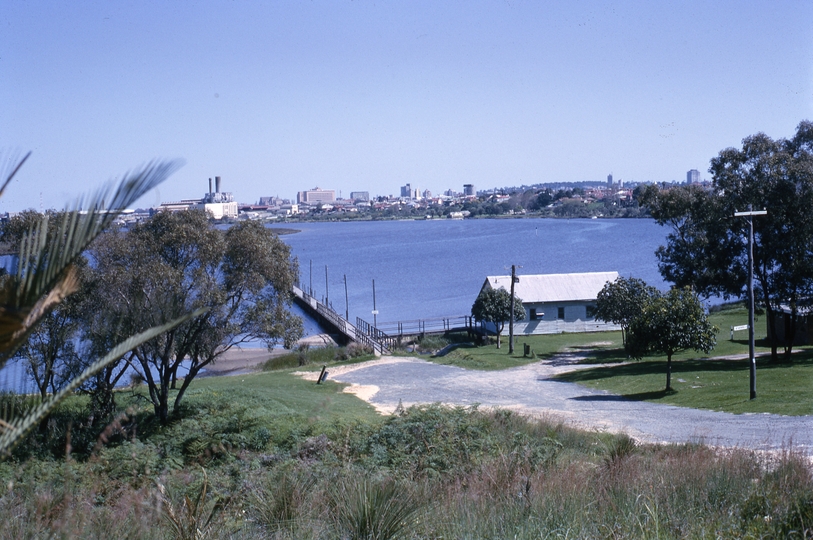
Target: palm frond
13, 431
44, 275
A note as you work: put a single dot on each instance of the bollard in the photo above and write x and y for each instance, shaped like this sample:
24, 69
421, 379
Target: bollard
321, 376
527, 350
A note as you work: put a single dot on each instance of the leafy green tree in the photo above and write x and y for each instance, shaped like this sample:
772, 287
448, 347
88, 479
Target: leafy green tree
707, 247
494, 306
46, 275
668, 324
176, 263
622, 300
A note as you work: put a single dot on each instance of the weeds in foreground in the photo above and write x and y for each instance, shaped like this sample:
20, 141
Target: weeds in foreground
429, 472
193, 518
375, 510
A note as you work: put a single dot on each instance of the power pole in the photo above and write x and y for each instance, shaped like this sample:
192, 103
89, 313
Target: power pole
514, 279
752, 360
327, 289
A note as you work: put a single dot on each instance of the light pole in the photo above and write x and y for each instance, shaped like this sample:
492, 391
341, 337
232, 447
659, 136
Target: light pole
375, 311
753, 363
346, 302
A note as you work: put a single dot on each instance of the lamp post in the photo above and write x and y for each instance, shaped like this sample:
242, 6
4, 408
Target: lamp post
752, 361
375, 310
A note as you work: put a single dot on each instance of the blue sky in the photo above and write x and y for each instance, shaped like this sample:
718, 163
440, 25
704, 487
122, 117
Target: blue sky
276, 97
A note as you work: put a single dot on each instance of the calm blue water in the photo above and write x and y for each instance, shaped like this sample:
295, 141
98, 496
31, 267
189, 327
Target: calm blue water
428, 269
435, 268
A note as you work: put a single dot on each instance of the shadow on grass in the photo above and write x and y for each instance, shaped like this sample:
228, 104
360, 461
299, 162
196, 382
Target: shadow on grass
639, 396
650, 367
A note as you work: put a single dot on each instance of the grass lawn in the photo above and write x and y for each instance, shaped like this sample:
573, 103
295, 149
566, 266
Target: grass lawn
719, 385
281, 393
599, 347
698, 380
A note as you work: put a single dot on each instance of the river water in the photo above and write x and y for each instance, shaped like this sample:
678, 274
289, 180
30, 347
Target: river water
435, 268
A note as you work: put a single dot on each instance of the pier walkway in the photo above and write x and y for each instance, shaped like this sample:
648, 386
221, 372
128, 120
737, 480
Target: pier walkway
350, 331
386, 336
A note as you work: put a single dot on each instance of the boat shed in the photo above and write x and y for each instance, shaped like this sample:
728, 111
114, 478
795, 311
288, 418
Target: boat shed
556, 303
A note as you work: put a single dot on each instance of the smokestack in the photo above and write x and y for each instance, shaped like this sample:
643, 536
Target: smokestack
210, 186
217, 184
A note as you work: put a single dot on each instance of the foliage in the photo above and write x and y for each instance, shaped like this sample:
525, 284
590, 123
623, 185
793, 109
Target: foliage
532, 478
175, 263
46, 275
622, 300
369, 510
671, 323
707, 248
192, 518
494, 306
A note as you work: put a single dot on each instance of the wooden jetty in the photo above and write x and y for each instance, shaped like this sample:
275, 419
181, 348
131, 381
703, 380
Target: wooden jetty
387, 336
329, 317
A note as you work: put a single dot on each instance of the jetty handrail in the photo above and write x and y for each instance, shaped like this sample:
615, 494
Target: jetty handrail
340, 323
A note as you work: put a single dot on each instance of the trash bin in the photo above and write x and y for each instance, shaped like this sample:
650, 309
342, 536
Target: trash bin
527, 350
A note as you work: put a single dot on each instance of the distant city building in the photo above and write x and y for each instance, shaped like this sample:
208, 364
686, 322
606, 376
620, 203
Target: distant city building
610, 179
468, 190
217, 203
316, 195
427, 194
408, 192
272, 201
360, 195
693, 176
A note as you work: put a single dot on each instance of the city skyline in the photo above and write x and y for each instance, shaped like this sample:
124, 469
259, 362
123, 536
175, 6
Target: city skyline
361, 96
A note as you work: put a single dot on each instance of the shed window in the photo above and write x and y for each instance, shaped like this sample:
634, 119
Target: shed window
533, 314
561, 313
591, 312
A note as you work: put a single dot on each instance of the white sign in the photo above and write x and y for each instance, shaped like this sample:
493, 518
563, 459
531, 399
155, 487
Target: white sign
741, 327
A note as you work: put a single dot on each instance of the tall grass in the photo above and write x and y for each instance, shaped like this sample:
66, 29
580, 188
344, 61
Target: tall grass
429, 472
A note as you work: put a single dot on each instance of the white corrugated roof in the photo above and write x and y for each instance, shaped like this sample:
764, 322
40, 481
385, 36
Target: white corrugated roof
554, 287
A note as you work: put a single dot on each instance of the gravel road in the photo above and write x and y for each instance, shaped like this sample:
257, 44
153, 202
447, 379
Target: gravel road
530, 389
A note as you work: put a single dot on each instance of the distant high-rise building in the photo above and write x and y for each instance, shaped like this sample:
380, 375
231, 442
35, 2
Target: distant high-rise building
409, 192
693, 176
360, 195
468, 190
610, 179
427, 194
316, 195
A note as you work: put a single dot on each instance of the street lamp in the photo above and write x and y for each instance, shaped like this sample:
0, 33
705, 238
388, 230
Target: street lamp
753, 363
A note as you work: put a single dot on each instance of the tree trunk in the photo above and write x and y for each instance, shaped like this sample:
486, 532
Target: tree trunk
769, 312
669, 372
790, 334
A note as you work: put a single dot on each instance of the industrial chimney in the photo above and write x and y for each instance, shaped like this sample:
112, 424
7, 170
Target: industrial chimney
217, 184
210, 186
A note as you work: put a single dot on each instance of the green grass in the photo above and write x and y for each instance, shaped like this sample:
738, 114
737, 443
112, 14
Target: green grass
270, 455
598, 347
719, 385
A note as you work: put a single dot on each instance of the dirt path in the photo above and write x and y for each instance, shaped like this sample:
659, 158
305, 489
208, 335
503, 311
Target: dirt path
392, 380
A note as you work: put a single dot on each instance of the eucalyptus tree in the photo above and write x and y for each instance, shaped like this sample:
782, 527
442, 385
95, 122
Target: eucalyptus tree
494, 306
46, 274
707, 246
176, 263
